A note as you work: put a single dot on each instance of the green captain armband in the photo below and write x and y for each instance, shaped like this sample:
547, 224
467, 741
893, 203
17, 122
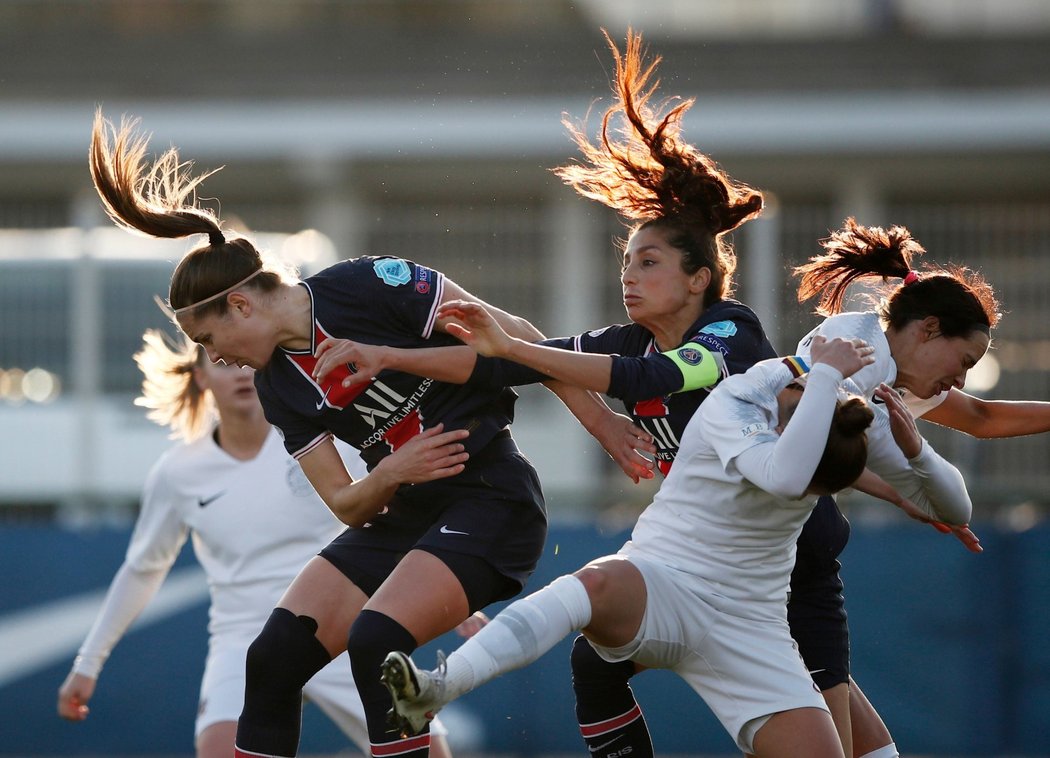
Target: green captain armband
700, 367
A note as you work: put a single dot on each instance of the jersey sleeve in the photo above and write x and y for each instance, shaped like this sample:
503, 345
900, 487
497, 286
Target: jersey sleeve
737, 417
786, 467
160, 531
863, 326
689, 367
400, 292
158, 537
928, 481
300, 434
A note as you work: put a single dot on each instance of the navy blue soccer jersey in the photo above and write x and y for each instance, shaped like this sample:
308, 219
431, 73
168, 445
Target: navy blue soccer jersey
377, 301
728, 328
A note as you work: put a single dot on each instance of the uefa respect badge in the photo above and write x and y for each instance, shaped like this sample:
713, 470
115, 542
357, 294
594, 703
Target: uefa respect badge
393, 271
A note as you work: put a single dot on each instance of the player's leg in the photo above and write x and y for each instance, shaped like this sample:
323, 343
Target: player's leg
217, 740
523, 632
817, 614
871, 738
610, 718
221, 696
420, 600
304, 633
800, 731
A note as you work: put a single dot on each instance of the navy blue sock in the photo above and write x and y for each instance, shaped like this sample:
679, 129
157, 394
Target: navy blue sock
372, 636
280, 661
610, 719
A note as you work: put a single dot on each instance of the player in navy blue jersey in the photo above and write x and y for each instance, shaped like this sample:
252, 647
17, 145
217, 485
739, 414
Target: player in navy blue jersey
450, 516
676, 279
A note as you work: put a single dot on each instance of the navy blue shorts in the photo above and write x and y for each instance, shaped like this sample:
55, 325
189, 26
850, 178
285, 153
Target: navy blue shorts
816, 608
488, 524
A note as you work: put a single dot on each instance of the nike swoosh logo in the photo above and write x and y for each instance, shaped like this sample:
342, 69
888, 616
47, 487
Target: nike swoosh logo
445, 530
604, 745
324, 398
203, 501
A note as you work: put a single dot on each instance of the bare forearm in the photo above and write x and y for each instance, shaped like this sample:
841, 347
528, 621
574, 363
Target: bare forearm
987, 419
357, 503
445, 364
590, 371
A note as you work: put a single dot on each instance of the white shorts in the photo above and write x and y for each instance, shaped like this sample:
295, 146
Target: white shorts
744, 666
332, 689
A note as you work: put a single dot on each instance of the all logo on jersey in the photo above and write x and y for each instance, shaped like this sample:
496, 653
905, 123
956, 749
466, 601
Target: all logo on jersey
653, 416
393, 271
332, 392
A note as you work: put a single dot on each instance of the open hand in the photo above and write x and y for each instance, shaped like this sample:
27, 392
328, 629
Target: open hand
472, 324
848, 356
902, 423
627, 444
431, 454
365, 361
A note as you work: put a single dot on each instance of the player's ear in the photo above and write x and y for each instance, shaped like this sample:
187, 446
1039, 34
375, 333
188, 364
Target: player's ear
239, 303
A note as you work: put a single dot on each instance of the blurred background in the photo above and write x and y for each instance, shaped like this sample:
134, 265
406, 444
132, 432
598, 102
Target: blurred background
427, 129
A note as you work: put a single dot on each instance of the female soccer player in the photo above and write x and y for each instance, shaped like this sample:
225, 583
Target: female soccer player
450, 516
230, 471
677, 278
698, 588
928, 332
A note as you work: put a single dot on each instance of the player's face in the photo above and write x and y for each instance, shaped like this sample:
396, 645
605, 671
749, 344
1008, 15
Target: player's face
236, 337
232, 387
654, 285
939, 363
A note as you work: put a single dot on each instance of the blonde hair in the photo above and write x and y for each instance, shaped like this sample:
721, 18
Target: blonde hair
169, 389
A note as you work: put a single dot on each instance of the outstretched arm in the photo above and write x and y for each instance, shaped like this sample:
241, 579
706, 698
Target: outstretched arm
990, 418
872, 484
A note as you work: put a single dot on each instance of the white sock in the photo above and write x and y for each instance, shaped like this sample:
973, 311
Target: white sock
518, 635
888, 751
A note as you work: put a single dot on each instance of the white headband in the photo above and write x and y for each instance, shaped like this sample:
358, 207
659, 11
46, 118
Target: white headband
217, 295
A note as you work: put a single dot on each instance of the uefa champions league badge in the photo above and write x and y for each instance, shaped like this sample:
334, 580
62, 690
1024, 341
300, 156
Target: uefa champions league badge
393, 271
721, 329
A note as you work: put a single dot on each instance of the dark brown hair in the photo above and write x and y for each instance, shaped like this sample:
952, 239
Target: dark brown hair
846, 452
961, 299
161, 201
648, 174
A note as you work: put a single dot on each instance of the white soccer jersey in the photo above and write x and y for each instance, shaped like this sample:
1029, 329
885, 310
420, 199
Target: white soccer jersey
866, 326
928, 481
255, 524
711, 524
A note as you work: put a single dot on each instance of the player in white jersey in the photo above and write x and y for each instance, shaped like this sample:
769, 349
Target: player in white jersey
701, 587
229, 471
927, 332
